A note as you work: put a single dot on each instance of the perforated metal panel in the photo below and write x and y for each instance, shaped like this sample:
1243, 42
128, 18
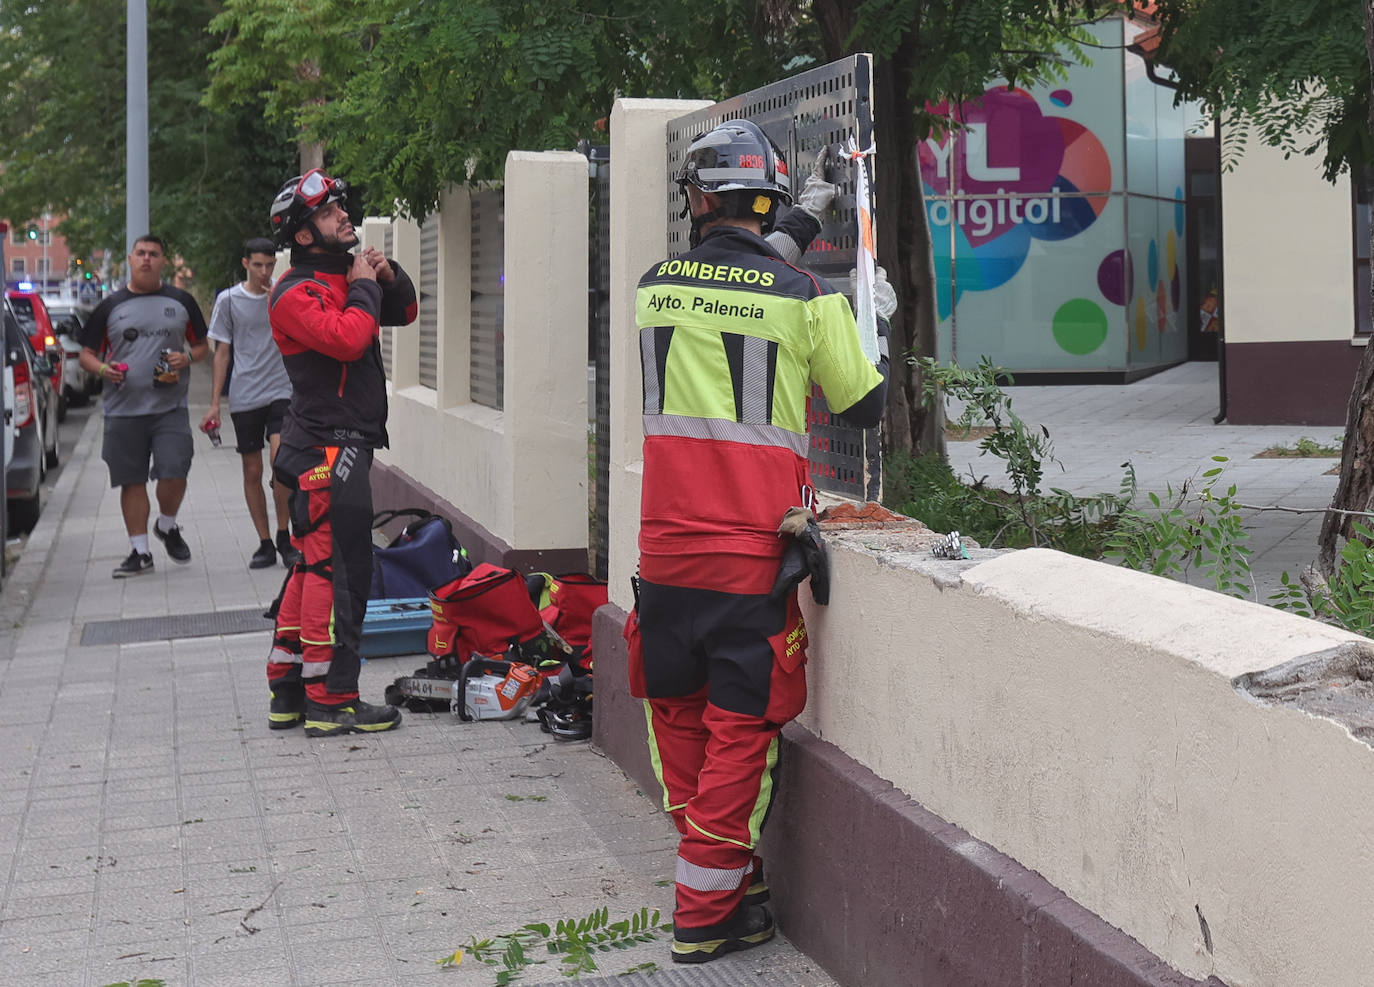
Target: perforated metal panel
388, 248
429, 301
488, 362
823, 106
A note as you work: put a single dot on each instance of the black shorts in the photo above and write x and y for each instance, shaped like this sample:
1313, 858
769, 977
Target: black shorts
254, 427
131, 440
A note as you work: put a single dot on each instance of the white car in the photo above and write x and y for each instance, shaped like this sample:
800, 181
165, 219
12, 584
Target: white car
68, 316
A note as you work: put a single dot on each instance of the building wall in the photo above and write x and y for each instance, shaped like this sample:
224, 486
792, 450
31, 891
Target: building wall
1289, 305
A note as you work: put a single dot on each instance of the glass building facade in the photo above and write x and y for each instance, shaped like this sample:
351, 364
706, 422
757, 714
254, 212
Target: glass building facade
1057, 216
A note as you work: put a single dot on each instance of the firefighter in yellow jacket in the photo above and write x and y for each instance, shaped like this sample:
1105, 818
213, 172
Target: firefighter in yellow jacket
731, 339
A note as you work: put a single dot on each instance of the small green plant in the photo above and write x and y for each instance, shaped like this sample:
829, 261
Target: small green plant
1028, 514
574, 941
1304, 448
1347, 599
1179, 535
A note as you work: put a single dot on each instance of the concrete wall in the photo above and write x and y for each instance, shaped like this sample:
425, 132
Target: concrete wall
1083, 719
514, 480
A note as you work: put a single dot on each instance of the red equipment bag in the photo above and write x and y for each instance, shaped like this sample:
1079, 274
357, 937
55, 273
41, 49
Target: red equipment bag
485, 612
574, 598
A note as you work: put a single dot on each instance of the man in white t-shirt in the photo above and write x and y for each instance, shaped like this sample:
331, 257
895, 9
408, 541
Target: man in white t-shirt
259, 393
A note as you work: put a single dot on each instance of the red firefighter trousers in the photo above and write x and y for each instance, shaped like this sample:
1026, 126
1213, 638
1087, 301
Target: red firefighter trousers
720, 673
320, 619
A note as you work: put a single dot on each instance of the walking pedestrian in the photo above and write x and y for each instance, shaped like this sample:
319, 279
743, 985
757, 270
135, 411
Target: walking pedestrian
326, 312
731, 339
149, 333
259, 393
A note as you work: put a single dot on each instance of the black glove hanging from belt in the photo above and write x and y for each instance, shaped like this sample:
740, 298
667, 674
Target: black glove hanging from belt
805, 556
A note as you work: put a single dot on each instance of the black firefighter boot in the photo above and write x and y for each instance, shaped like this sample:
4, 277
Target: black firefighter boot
287, 708
750, 926
354, 717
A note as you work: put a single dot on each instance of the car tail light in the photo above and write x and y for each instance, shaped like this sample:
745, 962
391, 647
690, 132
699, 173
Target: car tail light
49, 341
23, 395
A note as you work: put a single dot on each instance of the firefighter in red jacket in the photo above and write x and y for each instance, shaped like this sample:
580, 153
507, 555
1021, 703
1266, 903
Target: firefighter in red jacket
325, 313
731, 339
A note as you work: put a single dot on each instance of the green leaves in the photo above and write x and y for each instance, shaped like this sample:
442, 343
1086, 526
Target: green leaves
212, 174
1291, 75
575, 941
1204, 534
1347, 599
926, 488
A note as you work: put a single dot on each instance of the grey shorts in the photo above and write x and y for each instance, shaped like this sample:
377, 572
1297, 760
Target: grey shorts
132, 440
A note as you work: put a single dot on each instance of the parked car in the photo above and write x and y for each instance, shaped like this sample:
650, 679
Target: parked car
79, 385
6, 433
31, 417
33, 317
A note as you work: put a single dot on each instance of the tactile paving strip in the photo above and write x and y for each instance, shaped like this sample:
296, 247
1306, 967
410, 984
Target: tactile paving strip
208, 624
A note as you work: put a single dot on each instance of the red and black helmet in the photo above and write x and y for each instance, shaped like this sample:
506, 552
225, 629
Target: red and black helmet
736, 156
299, 199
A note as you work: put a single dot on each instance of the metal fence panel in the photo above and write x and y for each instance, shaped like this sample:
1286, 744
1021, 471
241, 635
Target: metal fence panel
429, 301
487, 366
388, 248
599, 313
823, 106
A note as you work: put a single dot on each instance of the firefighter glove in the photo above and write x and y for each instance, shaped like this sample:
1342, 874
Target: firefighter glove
805, 555
884, 298
817, 194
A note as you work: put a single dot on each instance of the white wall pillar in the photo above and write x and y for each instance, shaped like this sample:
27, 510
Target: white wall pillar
639, 237
546, 346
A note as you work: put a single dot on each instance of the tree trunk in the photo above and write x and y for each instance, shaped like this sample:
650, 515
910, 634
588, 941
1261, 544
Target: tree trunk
1355, 490
904, 247
312, 154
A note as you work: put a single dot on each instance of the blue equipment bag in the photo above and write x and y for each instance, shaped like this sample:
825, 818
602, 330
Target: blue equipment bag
395, 627
424, 555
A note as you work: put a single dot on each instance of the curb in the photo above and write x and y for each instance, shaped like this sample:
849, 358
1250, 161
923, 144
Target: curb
23, 580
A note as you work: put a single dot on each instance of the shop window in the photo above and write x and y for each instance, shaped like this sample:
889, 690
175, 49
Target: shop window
1364, 199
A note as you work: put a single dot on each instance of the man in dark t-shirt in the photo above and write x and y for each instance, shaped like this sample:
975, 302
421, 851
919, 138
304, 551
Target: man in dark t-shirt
137, 341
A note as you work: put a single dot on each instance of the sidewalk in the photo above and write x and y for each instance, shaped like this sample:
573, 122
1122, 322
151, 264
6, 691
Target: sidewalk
1163, 426
152, 827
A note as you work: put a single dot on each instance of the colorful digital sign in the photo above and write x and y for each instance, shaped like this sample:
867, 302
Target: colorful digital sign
1048, 254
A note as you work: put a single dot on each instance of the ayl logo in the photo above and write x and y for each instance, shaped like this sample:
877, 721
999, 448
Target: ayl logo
975, 141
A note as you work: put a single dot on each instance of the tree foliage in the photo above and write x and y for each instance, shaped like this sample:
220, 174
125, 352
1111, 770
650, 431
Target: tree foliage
1290, 75
62, 147
436, 93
